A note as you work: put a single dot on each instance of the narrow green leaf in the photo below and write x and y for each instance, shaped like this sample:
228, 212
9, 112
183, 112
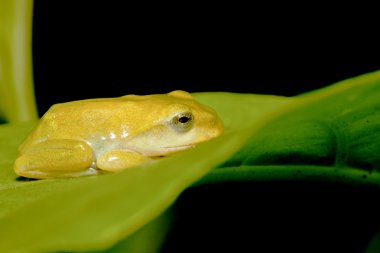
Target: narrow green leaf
17, 102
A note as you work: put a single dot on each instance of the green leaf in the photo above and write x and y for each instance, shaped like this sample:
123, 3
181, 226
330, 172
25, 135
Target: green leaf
327, 135
17, 103
148, 239
331, 134
374, 244
94, 213
242, 111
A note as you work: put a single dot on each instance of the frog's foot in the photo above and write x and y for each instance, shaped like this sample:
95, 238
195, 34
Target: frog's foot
56, 158
116, 160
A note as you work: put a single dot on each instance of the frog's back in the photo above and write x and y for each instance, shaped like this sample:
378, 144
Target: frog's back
74, 120
112, 119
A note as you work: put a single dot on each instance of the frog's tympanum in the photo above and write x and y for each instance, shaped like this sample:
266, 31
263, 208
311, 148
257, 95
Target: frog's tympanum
89, 136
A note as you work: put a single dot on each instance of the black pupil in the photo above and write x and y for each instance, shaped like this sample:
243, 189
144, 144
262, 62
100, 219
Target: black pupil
183, 119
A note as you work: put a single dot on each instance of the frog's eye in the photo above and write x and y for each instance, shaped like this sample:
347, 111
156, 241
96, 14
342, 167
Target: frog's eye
182, 122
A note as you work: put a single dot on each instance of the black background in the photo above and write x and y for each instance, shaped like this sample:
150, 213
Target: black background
86, 49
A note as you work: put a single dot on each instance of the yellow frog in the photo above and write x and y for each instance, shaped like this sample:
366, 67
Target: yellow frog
89, 136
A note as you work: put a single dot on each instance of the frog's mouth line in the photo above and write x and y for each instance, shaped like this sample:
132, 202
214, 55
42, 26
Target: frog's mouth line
171, 150
178, 148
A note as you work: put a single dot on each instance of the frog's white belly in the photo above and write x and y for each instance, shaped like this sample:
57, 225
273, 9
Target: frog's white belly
102, 144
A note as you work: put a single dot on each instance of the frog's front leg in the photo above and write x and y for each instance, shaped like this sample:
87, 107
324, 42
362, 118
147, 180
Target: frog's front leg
56, 158
118, 159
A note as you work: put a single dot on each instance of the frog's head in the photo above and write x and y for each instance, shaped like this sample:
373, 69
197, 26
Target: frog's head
174, 122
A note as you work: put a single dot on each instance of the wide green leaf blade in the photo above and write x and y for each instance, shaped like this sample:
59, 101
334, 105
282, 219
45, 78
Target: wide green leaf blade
241, 111
330, 134
93, 213
288, 138
24, 202
147, 239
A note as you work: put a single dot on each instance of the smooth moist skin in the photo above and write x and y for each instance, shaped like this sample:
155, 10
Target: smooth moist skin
84, 137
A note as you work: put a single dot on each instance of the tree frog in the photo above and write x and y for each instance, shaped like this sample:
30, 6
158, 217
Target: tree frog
89, 136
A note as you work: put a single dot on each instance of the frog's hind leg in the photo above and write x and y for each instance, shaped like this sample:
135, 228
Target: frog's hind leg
56, 158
